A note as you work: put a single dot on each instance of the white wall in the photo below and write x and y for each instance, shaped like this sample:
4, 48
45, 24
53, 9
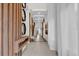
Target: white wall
51, 26
68, 30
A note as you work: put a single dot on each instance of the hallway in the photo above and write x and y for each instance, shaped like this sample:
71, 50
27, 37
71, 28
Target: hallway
39, 29
38, 49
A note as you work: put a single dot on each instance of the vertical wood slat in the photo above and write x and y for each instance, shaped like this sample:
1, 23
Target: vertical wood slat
10, 30
16, 25
15, 47
16, 21
0, 29
20, 20
20, 23
5, 29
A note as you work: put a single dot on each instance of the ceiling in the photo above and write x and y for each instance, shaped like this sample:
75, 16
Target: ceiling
37, 6
38, 10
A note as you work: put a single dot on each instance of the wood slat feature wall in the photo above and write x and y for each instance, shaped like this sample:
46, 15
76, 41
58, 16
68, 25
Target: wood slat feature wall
14, 28
5, 29
1, 29
10, 29
19, 21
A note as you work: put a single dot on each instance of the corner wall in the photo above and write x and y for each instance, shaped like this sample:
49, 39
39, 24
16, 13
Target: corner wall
51, 26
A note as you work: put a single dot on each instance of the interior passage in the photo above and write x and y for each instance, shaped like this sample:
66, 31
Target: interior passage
38, 49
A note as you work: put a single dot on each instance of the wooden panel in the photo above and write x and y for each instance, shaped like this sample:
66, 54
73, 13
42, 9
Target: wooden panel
5, 29
17, 19
14, 28
20, 21
10, 29
0, 29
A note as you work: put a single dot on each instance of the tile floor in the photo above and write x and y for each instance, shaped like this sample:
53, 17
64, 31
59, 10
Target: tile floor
38, 49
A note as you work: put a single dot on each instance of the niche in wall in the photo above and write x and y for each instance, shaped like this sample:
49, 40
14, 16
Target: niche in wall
23, 15
23, 28
24, 19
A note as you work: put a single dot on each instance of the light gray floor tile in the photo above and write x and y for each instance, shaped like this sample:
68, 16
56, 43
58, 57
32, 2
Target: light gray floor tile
38, 49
